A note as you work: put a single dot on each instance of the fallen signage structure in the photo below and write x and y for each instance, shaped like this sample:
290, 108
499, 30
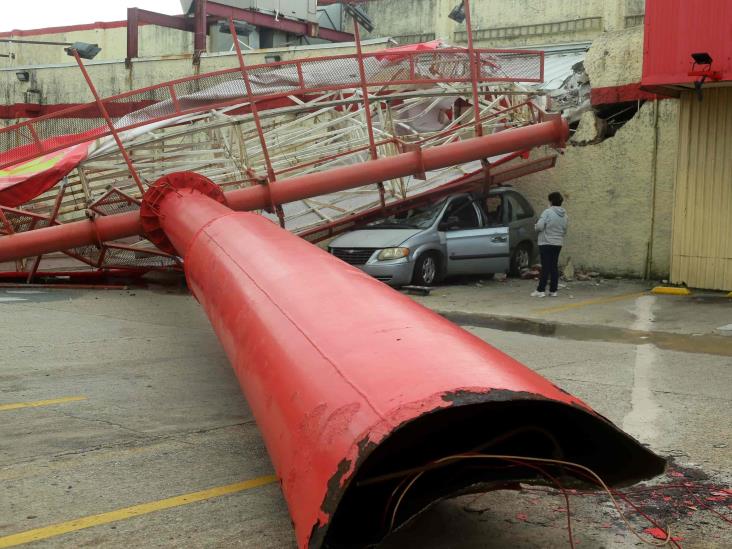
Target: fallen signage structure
355, 387
371, 406
310, 116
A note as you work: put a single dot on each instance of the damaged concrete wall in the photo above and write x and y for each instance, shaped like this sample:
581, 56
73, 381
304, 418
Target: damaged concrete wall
609, 190
618, 177
616, 58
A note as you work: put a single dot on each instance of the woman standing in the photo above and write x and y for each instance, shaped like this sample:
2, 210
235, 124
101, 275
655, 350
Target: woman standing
552, 228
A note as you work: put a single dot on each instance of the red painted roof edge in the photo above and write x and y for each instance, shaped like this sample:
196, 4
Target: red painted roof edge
68, 28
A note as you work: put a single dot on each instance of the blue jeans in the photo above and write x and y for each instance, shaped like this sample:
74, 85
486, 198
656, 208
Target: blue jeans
549, 267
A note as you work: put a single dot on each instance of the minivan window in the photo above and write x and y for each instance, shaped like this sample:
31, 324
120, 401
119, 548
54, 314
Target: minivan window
520, 208
419, 217
463, 213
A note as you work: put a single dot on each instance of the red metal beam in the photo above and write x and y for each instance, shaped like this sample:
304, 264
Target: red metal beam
110, 124
137, 17
258, 19
180, 22
112, 227
351, 382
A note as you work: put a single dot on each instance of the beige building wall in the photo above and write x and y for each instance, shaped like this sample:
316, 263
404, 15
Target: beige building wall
153, 41
504, 23
64, 84
618, 197
702, 228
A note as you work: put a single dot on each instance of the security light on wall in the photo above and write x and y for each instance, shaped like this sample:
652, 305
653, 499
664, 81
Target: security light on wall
702, 58
85, 51
22, 76
360, 17
458, 13
702, 68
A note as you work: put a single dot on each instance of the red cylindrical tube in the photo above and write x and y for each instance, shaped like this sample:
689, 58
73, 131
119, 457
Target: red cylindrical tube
336, 366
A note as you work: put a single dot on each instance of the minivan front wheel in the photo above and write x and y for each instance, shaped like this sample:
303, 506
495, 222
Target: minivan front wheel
426, 269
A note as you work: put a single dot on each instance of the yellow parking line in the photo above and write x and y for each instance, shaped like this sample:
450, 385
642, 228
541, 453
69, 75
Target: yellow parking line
37, 403
129, 512
598, 301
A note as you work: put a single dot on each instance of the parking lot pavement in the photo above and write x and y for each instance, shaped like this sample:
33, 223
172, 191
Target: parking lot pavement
121, 423
600, 302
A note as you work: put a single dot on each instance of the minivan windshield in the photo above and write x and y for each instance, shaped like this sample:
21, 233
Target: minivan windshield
419, 217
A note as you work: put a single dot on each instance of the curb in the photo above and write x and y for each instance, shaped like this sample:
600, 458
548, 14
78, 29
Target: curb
670, 290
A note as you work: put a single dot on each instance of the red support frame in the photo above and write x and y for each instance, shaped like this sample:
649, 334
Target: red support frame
205, 12
259, 19
252, 102
51, 221
137, 16
201, 30
110, 124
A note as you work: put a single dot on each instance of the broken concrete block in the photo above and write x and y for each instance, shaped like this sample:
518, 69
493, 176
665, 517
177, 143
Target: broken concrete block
591, 130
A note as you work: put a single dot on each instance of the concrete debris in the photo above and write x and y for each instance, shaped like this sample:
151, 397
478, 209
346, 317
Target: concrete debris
591, 130
572, 99
530, 274
501, 277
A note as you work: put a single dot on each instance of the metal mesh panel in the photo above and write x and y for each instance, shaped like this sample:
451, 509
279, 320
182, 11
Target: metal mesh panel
114, 202
446, 66
207, 90
154, 100
522, 66
274, 80
16, 144
123, 257
85, 121
87, 254
22, 221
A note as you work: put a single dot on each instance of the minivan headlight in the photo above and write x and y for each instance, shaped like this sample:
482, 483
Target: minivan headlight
392, 253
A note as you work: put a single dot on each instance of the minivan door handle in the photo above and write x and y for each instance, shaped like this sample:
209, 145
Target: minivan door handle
499, 238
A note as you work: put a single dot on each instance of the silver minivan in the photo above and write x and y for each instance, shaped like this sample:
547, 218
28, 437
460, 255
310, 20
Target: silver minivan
462, 234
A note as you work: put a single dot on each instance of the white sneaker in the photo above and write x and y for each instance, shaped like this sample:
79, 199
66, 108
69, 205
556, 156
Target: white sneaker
537, 293
553, 294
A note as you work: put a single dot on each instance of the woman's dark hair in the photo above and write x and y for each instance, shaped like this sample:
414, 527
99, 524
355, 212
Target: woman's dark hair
556, 199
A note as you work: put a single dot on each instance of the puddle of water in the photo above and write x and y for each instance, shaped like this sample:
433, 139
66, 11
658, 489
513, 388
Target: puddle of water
704, 344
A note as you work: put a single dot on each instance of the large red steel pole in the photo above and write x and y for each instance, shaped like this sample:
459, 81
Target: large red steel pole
349, 380
83, 233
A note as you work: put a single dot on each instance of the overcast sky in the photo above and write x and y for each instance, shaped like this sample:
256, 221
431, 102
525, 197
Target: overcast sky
34, 14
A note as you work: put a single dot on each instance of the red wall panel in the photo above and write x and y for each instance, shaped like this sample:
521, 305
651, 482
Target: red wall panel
674, 29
